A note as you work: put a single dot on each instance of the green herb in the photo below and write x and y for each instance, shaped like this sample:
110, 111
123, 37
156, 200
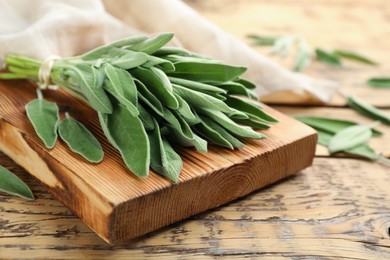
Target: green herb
262, 40
149, 99
128, 135
80, 140
44, 117
350, 137
11, 184
328, 57
283, 44
330, 125
362, 150
379, 82
354, 57
368, 110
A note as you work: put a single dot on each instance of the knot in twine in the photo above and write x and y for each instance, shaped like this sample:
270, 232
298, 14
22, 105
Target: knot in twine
45, 71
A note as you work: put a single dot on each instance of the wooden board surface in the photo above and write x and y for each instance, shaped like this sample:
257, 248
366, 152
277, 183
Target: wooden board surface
117, 205
337, 209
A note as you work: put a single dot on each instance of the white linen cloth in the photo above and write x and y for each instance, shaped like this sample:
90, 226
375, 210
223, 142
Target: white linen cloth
42, 28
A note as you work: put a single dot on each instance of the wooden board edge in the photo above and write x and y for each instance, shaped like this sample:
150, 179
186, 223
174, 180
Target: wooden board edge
135, 218
58, 179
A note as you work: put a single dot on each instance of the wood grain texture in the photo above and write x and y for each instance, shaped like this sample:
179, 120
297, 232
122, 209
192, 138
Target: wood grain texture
336, 209
120, 206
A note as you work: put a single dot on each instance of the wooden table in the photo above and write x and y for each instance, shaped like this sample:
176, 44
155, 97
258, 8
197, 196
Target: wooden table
338, 208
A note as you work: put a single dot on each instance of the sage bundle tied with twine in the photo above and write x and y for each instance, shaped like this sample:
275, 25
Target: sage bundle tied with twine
148, 97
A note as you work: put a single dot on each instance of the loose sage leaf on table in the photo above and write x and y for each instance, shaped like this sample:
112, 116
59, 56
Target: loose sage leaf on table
128, 135
263, 40
282, 45
350, 137
379, 82
330, 125
303, 57
363, 150
44, 116
368, 110
355, 57
11, 184
80, 140
328, 57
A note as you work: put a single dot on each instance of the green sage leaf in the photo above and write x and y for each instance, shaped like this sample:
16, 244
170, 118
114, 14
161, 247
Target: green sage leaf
90, 80
330, 125
246, 83
263, 40
185, 111
350, 137
130, 60
355, 57
362, 150
101, 51
235, 88
206, 72
199, 99
80, 140
163, 159
379, 82
157, 83
11, 184
225, 134
328, 57
303, 58
146, 118
129, 137
230, 125
368, 110
212, 135
120, 83
44, 116
164, 65
197, 86
149, 98
282, 45
151, 45
250, 108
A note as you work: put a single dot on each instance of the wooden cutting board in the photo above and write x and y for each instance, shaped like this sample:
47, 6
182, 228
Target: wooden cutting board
119, 206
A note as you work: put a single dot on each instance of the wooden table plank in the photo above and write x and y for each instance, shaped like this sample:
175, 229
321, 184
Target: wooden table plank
337, 208
361, 26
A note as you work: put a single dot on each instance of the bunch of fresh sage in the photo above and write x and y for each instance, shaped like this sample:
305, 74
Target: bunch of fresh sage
282, 46
149, 98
